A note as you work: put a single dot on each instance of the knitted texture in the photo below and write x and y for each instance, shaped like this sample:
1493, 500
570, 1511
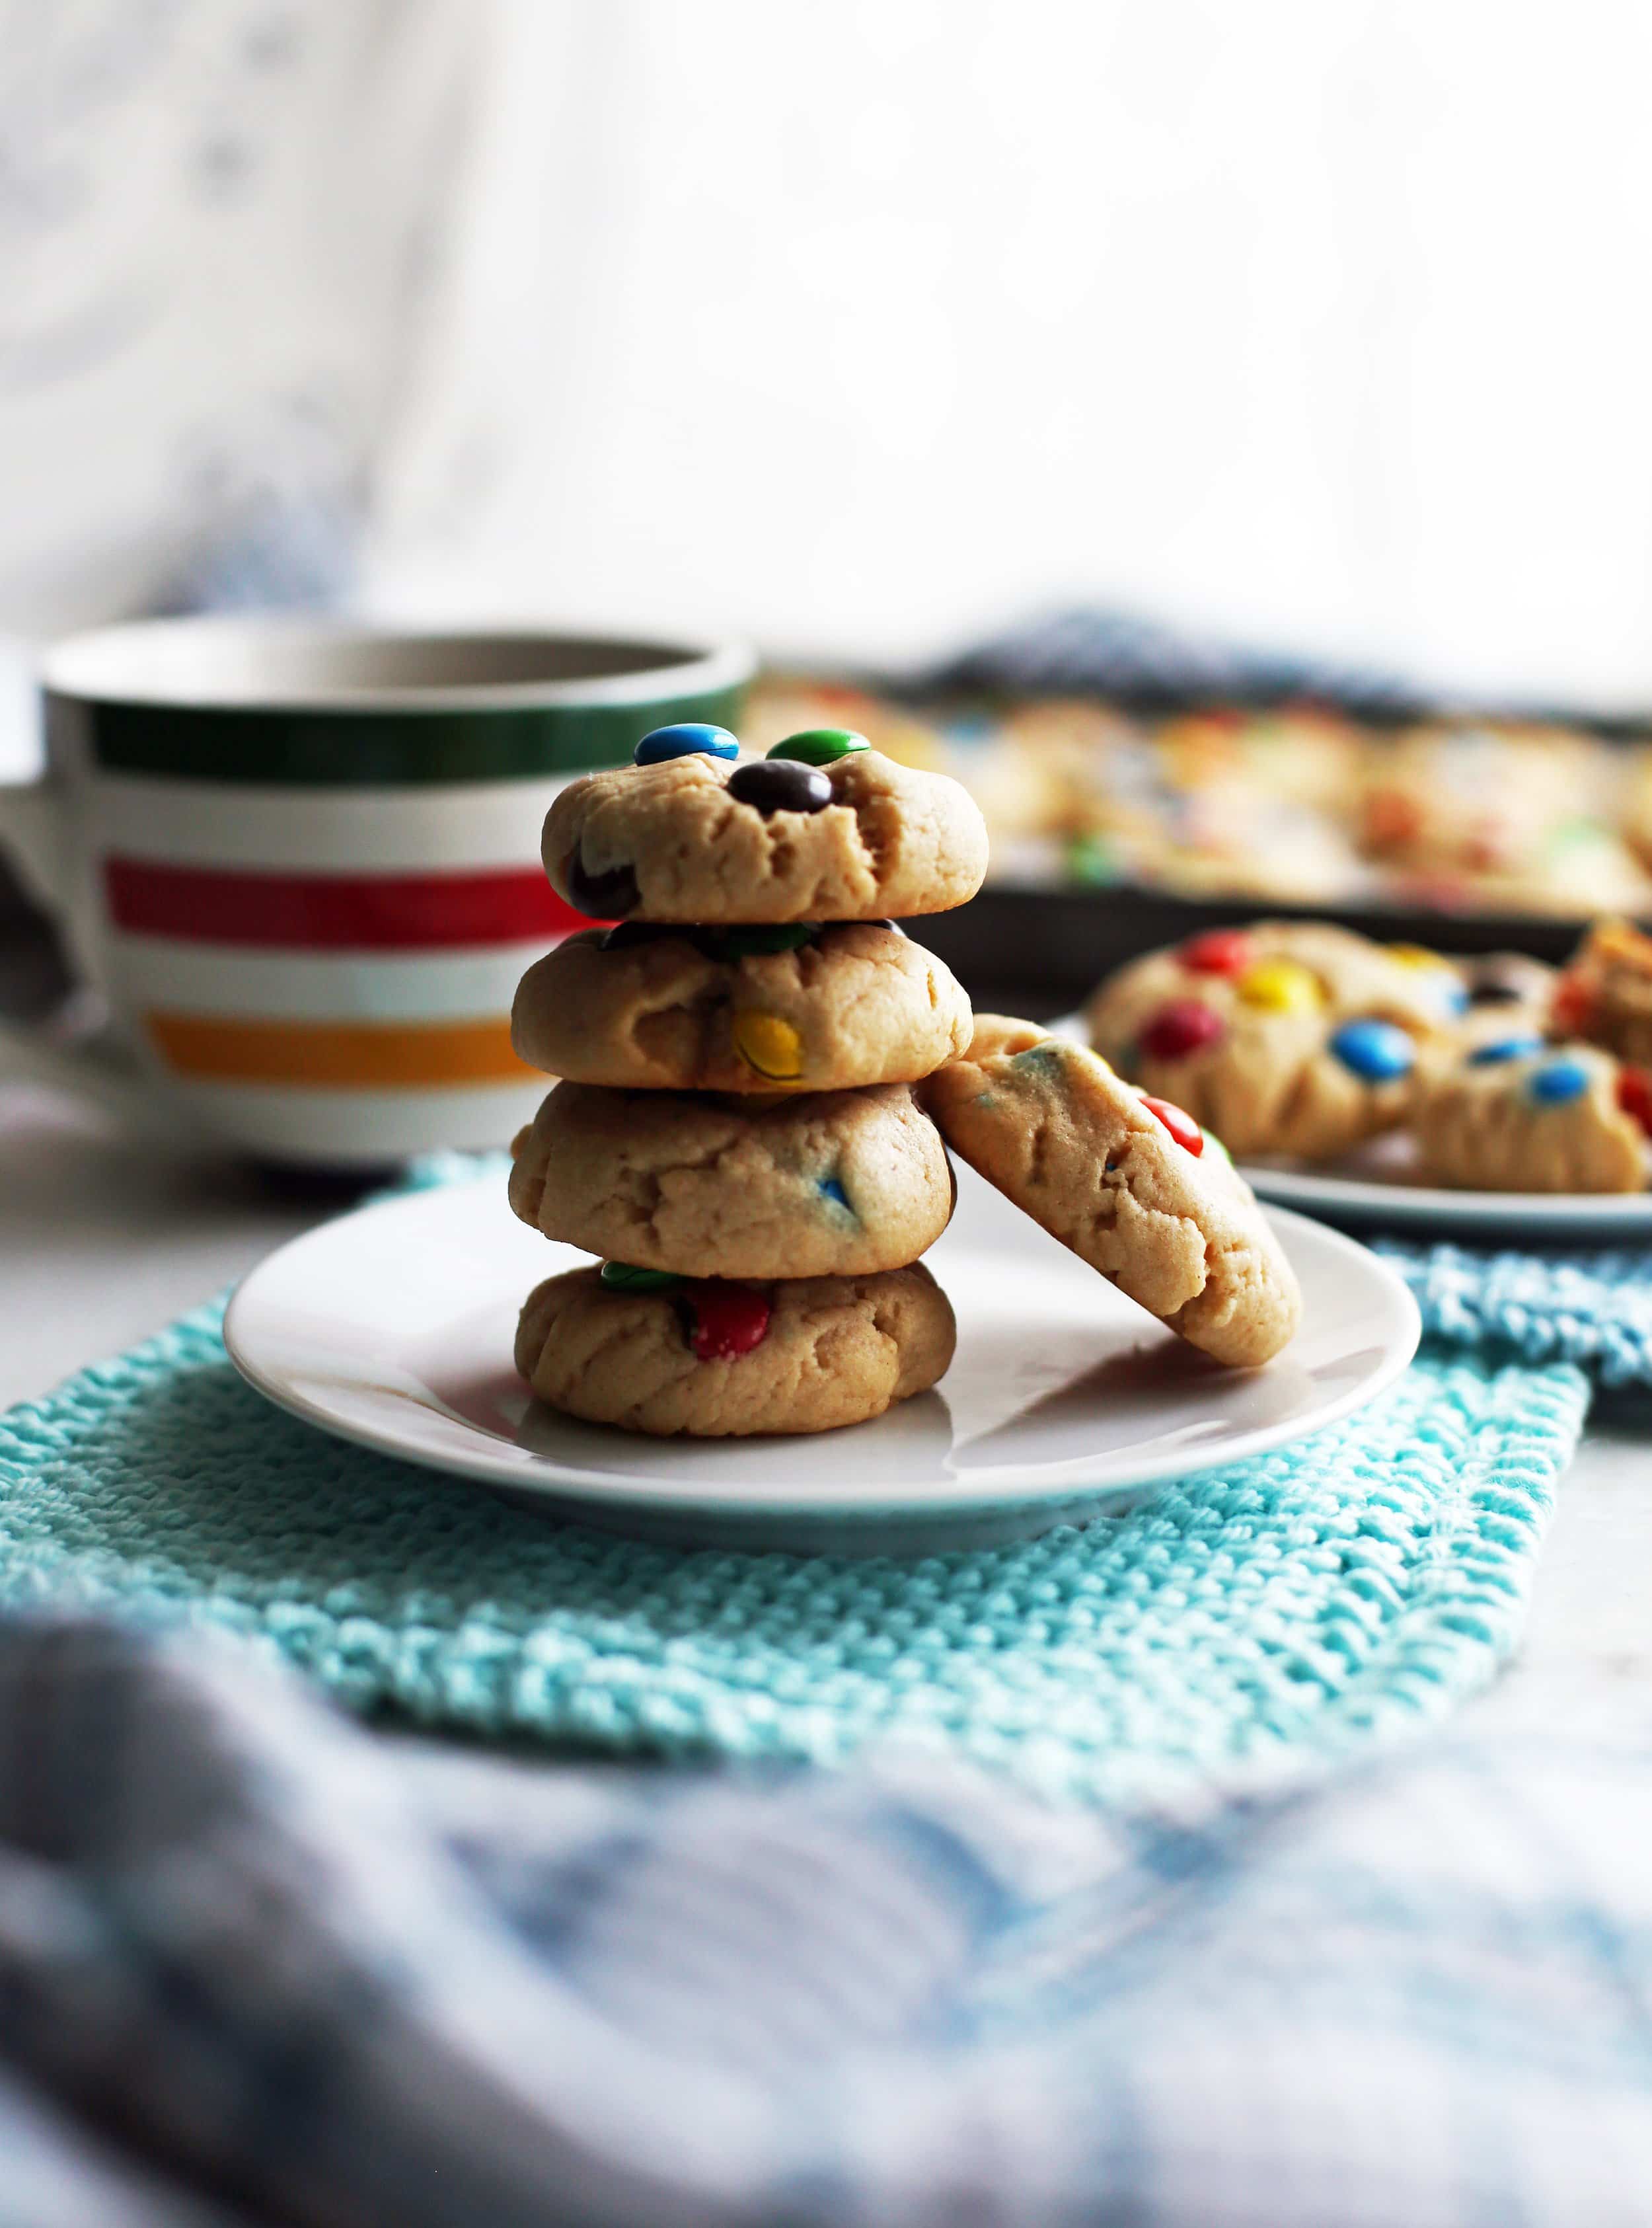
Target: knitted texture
1592, 1308
1255, 1622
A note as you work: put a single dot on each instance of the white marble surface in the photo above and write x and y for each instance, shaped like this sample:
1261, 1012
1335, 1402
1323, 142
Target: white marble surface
103, 1241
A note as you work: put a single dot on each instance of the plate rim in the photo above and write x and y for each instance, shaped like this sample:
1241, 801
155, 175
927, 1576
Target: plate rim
540, 1478
1625, 1213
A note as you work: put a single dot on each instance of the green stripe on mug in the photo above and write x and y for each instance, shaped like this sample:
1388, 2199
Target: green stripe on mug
341, 750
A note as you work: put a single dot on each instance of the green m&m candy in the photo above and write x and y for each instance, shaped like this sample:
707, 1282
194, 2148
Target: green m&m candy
819, 747
620, 1276
1215, 1150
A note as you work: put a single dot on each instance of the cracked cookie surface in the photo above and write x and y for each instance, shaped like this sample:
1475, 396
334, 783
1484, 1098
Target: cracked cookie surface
1178, 1231
666, 842
816, 1184
857, 1003
834, 1350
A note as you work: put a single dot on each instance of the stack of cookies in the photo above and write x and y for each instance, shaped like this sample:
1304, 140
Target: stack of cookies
735, 1132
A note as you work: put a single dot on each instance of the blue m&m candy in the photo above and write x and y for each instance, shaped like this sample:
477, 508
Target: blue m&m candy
1377, 1052
1558, 1082
1493, 1055
688, 739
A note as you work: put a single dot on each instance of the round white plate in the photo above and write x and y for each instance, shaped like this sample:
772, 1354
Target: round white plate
1370, 1202
1371, 1190
393, 1326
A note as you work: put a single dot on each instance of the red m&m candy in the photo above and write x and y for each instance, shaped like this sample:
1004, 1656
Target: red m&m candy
725, 1321
1218, 951
1569, 1012
1634, 1096
1181, 1027
1183, 1127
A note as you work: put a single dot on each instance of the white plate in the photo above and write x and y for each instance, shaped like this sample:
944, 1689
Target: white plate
1366, 1202
393, 1326
1371, 1190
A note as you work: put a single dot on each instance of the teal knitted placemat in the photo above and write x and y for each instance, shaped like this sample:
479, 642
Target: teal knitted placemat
1260, 1620
1594, 1308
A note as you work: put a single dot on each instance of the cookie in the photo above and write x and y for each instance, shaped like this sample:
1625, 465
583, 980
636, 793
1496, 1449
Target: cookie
839, 835
1474, 795
1131, 1184
796, 1007
841, 1183
1509, 996
723, 1361
1604, 993
1519, 1115
1291, 1037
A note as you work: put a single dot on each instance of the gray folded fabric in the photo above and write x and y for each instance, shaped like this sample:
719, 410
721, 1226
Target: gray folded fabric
267, 1959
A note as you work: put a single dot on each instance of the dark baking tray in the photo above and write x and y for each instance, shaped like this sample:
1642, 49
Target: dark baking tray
1040, 951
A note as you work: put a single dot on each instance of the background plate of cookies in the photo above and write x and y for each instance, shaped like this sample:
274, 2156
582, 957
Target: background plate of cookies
1387, 1085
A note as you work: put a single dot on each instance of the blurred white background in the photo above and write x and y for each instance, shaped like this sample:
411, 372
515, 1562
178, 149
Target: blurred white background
855, 328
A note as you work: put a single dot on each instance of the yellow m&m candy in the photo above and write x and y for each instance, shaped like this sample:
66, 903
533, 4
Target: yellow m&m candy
1416, 955
1281, 986
770, 1046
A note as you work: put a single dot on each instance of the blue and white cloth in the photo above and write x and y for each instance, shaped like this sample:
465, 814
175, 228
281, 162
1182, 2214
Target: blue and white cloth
255, 1964
1094, 650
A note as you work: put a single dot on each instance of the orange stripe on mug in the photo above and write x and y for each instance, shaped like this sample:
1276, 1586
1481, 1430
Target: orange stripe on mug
337, 1055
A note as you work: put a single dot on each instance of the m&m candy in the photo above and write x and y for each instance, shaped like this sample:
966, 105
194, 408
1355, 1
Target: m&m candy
1377, 1052
1089, 859
820, 746
1634, 1096
1558, 1083
1281, 986
1493, 1055
1573, 1002
621, 1277
1218, 951
1216, 1150
723, 1321
1183, 1127
687, 738
780, 786
1179, 1027
770, 1046
831, 1188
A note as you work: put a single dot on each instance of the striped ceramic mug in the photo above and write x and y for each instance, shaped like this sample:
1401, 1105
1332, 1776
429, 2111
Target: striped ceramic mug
302, 863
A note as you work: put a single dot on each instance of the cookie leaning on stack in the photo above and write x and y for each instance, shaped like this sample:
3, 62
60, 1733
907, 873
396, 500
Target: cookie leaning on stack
735, 1129
1130, 1183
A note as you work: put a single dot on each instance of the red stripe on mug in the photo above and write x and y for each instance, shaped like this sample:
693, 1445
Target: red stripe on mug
335, 912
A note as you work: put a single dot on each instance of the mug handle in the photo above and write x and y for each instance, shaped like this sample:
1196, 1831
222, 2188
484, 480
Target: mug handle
69, 1052
31, 828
